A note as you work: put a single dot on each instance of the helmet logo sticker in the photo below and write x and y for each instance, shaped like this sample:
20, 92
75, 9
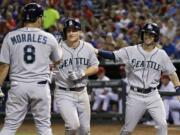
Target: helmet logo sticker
150, 27
70, 23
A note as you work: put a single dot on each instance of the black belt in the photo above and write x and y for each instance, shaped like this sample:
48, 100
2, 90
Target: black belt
78, 89
145, 91
42, 82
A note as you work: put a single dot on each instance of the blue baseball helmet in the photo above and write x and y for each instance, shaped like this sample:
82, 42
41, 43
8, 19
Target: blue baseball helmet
31, 12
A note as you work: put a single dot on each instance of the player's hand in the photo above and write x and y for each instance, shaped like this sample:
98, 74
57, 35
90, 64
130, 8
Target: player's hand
1, 93
96, 51
74, 76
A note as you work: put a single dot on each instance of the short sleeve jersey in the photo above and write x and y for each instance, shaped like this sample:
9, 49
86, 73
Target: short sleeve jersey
29, 51
144, 68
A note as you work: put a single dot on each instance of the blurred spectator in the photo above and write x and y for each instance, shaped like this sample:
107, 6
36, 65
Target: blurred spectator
10, 22
97, 8
177, 42
125, 19
103, 95
169, 29
120, 43
121, 19
109, 43
171, 103
168, 46
51, 17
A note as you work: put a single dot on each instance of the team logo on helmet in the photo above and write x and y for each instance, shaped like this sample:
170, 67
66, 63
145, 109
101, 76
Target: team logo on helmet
150, 27
70, 22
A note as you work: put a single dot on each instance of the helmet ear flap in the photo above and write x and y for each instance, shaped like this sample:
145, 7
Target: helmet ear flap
156, 38
64, 34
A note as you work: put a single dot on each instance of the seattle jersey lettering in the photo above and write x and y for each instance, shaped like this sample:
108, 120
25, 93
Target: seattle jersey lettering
76, 61
145, 64
28, 38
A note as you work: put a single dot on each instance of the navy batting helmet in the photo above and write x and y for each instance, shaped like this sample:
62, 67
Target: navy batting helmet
31, 12
152, 28
71, 23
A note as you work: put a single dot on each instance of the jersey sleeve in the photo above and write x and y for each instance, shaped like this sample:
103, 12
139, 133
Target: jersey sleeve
121, 55
56, 54
93, 58
5, 53
167, 65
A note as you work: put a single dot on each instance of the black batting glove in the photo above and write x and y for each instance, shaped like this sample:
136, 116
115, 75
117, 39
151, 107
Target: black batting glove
178, 89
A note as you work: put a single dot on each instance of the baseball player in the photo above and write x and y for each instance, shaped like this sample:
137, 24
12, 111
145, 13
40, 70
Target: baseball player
26, 53
103, 95
144, 64
71, 97
171, 103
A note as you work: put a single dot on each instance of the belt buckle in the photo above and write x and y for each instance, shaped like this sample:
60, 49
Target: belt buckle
135, 89
68, 89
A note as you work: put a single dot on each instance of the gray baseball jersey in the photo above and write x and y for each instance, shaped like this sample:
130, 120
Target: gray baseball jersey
76, 59
29, 51
143, 72
144, 68
74, 106
29, 54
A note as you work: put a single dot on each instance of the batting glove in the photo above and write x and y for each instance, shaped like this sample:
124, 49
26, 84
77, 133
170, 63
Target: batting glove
177, 89
74, 76
1, 93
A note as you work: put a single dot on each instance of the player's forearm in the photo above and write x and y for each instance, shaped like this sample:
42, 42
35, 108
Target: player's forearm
174, 78
91, 71
4, 68
105, 54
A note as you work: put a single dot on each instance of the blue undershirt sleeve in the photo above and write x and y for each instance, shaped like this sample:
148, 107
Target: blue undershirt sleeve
106, 54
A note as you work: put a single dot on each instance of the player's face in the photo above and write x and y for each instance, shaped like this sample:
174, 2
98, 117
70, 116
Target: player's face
148, 38
73, 34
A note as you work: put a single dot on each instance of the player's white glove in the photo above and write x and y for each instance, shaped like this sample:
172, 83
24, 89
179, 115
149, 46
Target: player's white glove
1, 93
96, 51
75, 76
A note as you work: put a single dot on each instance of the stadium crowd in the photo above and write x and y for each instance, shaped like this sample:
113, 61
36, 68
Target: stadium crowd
106, 24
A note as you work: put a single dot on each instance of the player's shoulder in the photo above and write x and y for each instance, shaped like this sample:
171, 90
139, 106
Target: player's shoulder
161, 51
129, 48
50, 35
86, 44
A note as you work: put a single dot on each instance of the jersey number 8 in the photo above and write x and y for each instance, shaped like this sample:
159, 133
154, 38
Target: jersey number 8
29, 54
